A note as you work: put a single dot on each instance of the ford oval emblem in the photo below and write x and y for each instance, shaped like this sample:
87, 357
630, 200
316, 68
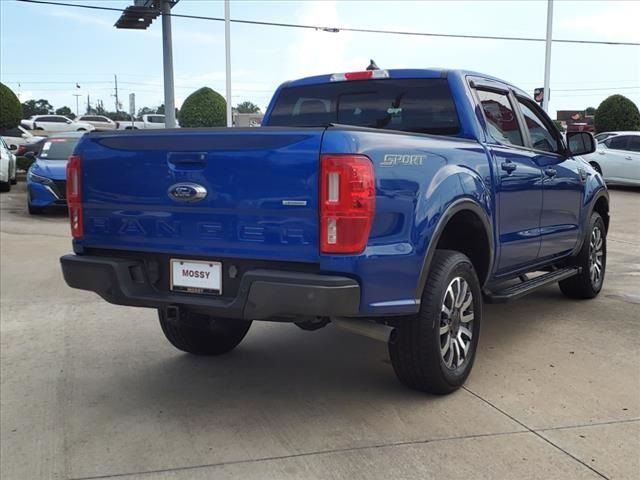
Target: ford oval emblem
187, 192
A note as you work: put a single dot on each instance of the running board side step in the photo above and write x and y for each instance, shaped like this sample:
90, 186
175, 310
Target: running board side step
521, 289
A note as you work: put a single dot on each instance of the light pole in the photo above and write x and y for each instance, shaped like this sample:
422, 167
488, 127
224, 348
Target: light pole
77, 95
547, 57
167, 58
227, 55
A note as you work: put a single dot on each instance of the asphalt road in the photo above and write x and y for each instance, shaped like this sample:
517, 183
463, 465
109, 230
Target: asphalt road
90, 390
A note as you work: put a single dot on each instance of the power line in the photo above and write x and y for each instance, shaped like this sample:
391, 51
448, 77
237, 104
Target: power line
342, 29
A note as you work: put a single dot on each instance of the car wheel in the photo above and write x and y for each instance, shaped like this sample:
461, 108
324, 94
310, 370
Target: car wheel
596, 167
433, 351
14, 181
592, 260
5, 186
82, 130
202, 334
34, 210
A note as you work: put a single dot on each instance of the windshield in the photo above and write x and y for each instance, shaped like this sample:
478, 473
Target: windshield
410, 105
58, 148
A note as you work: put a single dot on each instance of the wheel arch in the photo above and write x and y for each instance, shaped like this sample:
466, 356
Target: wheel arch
463, 215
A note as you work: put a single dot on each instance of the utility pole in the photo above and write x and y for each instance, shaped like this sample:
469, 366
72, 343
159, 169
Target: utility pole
88, 104
167, 60
227, 54
547, 57
115, 77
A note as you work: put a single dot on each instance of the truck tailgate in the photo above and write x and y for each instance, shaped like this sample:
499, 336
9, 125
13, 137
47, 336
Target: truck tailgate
261, 188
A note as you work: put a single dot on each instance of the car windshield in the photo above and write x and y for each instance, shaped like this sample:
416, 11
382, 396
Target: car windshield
410, 105
58, 148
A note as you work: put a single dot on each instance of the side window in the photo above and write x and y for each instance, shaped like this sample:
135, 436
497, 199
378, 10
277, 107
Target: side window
634, 143
502, 123
618, 143
541, 137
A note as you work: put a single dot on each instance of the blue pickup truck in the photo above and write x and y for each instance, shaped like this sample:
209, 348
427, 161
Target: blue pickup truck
392, 203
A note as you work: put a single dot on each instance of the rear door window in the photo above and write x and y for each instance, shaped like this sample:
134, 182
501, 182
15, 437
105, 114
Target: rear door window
634, 143
410, 105
502, 123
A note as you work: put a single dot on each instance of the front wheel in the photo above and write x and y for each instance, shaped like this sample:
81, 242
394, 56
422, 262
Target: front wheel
592, 260
202, 334
434, 350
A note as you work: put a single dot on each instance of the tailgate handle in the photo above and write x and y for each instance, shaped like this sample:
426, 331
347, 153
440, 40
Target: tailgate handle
187, 160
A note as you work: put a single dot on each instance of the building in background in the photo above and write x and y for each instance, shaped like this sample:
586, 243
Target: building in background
575, 120
247, 119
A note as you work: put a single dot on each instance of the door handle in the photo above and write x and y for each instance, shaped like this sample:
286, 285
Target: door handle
628, 158
550, 172
508, 166
187, 160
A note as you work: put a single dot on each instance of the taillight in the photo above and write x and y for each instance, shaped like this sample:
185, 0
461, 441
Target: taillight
347, 203
74, 196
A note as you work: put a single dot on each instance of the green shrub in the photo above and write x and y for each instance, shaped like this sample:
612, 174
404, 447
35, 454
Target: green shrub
204, 108
617, 113
23, 163
10, 108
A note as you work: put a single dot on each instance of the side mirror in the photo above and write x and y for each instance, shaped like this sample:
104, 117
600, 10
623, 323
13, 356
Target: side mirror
30, 155
24, 135
581, 143
13, 147
69, 121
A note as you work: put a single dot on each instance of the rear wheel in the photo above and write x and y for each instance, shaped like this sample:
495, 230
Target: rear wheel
201, 334
5, 186
434, 350
592, 259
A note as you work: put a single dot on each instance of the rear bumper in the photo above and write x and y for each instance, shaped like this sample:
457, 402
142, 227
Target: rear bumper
263, 294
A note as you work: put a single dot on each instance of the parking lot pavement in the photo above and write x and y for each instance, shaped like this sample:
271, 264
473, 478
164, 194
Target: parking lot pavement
91, 390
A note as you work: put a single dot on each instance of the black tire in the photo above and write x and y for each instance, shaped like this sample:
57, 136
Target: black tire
14, 181
583, 285
34, 210
81, 130
201, 334
596, 167
5, 186
415, 349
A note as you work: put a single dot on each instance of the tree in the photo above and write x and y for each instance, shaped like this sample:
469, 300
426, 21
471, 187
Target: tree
203, 108
146, 111
10, 108
66, 111
616, 113
590, 111
558, 125
36, 107
247, 107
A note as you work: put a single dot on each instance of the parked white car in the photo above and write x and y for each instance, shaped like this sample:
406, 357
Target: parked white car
7, 167
618, 158
100, 122
17, 137
55, 123
152, 120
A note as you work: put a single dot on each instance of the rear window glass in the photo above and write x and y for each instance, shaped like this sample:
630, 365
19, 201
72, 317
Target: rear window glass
415, 105
58, 148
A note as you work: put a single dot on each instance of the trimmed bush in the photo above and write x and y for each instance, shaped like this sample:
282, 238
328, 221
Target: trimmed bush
10, 108
617, 113
204, 108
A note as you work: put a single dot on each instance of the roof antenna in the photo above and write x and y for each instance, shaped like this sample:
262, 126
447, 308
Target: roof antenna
373, 66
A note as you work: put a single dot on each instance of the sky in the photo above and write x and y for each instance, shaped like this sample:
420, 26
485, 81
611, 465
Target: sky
46, 50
